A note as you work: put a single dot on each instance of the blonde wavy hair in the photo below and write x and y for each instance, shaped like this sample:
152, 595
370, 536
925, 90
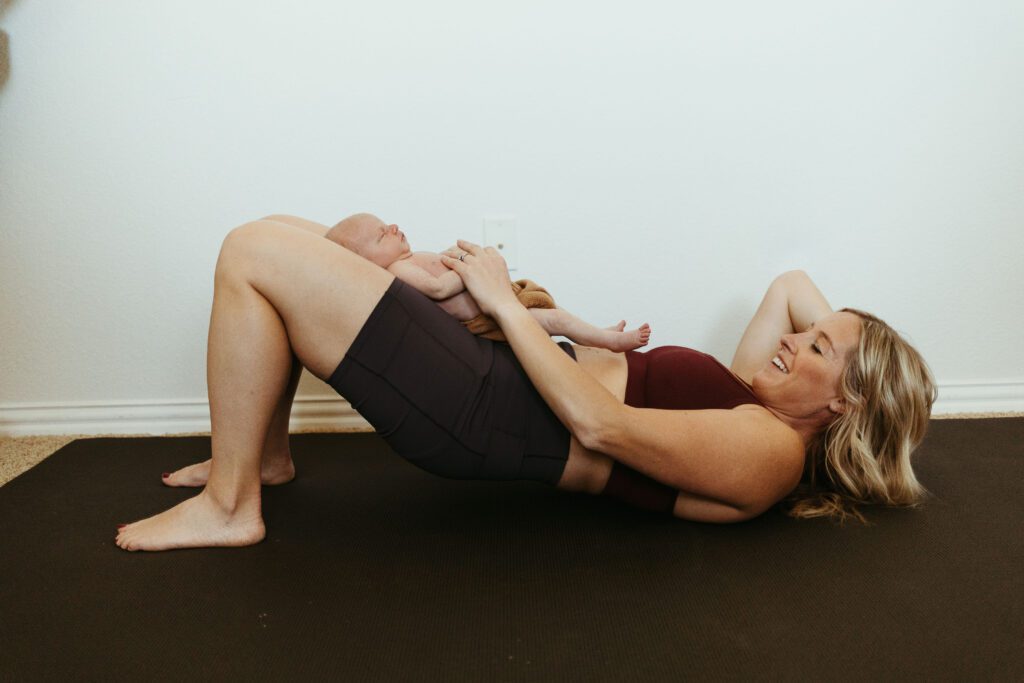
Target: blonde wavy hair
864, 455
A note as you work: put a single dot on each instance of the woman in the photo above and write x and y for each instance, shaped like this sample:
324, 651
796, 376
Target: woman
830, 414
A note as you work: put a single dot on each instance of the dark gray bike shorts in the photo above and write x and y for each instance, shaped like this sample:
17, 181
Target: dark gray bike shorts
454, 404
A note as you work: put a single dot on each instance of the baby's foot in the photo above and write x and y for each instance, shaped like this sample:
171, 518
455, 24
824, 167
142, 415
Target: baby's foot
196, 523
616, 338
272, 472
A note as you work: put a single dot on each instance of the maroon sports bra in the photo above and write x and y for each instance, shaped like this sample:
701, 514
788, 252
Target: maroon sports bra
672, 378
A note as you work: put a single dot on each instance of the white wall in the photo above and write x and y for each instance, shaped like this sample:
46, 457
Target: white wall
665, 161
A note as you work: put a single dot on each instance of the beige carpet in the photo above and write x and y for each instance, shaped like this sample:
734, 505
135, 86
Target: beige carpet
18, 454
21, 453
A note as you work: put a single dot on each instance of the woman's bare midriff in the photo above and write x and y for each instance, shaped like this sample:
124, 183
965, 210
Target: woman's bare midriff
587, 470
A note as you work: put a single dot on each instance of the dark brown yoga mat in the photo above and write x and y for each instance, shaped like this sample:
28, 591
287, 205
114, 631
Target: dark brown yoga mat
375, 570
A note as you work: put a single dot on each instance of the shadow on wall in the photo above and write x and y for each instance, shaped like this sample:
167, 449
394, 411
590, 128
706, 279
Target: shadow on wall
5, 52
5, 61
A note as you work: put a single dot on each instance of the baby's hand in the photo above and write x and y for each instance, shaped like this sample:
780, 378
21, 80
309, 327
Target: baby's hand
486, 276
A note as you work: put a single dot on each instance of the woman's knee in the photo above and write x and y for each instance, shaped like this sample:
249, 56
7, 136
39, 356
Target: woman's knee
241, 244
250, 232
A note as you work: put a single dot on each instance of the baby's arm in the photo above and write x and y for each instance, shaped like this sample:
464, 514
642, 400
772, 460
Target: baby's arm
438, 287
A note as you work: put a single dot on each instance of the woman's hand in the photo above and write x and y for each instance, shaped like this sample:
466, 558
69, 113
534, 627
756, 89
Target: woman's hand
485, 274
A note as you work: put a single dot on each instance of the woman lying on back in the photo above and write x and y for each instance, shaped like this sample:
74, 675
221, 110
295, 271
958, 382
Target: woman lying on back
820, 410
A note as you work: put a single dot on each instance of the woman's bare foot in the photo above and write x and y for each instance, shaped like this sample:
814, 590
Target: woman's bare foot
272, 472
617, 338
198, 522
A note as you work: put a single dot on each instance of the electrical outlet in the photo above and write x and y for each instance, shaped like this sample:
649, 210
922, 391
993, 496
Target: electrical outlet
500, 233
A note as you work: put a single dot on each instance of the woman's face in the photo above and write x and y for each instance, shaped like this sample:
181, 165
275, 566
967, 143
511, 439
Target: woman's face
815, 360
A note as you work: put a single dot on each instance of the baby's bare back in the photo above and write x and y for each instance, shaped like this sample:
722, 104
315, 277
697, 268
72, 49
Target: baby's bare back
462, 306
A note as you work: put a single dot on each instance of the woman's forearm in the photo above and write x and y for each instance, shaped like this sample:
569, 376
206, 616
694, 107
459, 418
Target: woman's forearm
580, 401
806, 302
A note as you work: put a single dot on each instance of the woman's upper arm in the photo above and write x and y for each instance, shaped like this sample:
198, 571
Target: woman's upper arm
791, 304
746, 459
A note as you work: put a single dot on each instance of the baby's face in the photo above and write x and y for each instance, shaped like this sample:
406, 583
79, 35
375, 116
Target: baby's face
373, 239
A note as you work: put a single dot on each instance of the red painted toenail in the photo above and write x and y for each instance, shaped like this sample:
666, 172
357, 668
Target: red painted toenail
165, 475
121, 526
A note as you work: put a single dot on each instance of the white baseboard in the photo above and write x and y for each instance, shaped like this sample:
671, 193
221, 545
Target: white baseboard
159, 417
993, 396
335, 413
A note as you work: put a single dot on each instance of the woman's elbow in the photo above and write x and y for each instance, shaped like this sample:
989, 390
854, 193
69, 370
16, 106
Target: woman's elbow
599, 432
587, 438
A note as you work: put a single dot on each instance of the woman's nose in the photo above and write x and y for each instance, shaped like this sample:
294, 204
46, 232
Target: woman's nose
798, 338
791, 341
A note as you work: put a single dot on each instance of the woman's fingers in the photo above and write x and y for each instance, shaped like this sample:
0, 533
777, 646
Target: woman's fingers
485, 274
477, 250
474, 249
453, 263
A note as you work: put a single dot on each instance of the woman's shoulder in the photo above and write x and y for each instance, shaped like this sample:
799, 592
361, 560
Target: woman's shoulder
753, 407
780, 434
760, 412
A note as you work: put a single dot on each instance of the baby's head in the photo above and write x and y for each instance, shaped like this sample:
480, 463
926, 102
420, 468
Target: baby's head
371, 238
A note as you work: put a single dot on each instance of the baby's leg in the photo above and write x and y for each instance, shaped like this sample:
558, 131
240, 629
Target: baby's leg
558, 321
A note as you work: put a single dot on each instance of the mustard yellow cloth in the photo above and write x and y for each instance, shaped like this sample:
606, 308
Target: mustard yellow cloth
530, 295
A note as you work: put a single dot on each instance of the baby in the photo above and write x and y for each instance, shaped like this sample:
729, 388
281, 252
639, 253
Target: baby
385, 245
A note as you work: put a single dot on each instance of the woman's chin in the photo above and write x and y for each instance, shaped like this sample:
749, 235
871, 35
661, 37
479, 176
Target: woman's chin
764, 376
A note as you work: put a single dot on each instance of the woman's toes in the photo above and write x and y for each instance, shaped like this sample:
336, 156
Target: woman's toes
125, 538
193, 475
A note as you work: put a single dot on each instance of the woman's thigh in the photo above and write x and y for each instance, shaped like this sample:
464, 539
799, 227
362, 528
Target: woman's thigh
323, 292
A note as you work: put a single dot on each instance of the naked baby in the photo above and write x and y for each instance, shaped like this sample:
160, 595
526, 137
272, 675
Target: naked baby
386, 245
